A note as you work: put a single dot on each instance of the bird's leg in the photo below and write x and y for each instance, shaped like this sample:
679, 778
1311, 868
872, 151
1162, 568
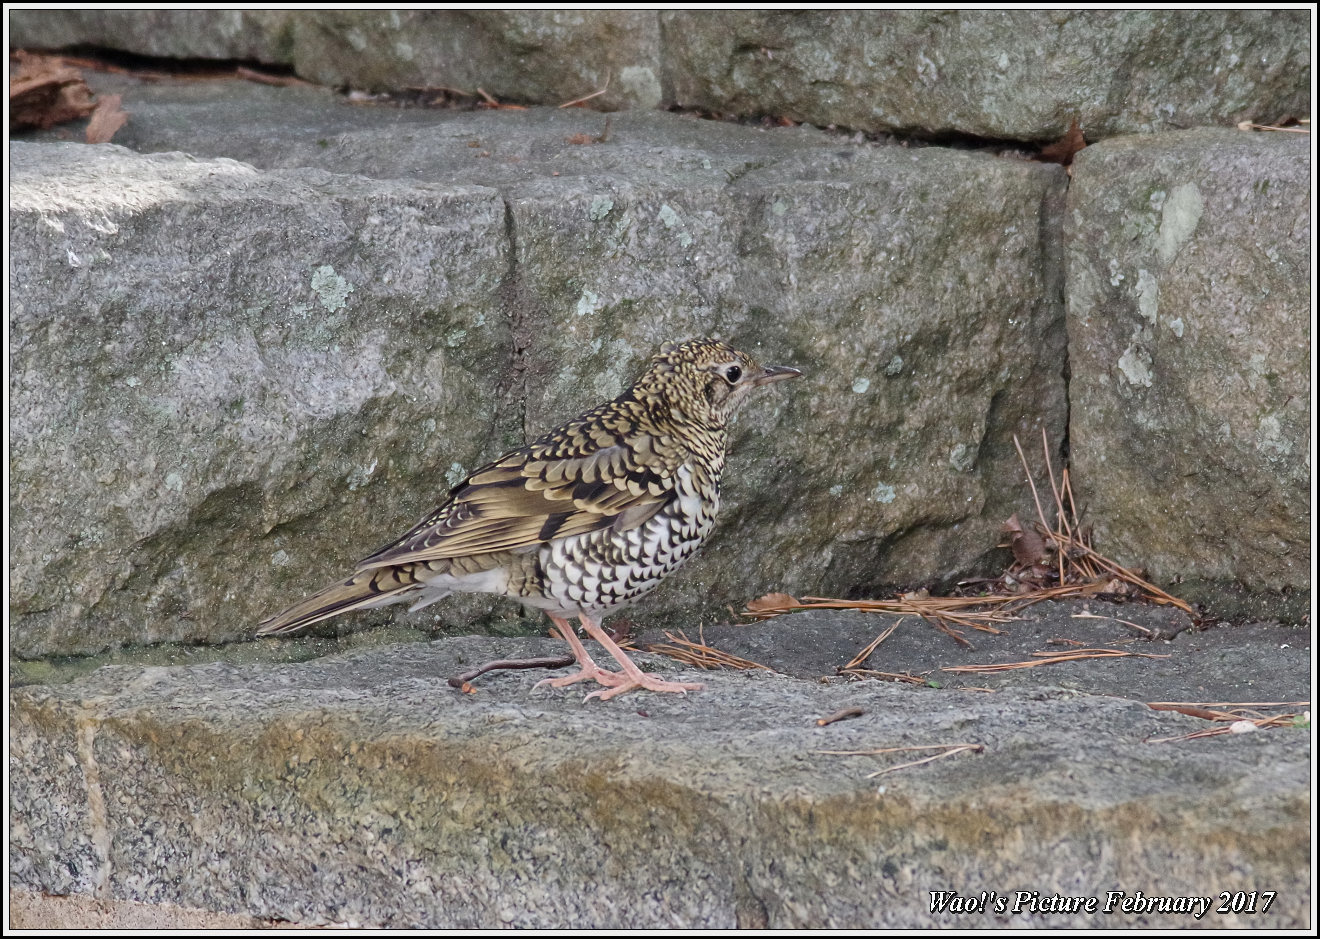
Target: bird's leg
589, 671
633, 677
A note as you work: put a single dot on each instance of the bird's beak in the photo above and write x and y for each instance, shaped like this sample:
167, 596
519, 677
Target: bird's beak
775, 373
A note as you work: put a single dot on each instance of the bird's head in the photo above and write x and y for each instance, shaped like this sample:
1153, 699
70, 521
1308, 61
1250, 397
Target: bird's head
705, 380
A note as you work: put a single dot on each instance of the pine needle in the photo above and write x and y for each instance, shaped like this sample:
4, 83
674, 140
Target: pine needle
703, 656
865, 654
1080, 570
1051, 658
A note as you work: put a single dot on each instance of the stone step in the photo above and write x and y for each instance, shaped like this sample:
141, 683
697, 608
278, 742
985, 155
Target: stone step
362, 788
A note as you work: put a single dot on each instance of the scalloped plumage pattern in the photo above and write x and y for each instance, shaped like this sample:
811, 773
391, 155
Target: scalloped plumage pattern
587, 517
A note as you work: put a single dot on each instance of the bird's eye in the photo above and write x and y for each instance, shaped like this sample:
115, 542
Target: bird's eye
732, 374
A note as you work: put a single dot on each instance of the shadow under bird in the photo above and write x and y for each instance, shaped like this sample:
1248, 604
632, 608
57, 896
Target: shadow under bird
580, 522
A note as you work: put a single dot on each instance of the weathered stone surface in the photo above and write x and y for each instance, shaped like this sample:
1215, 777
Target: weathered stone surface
1010, 74
1185, 664
31, 910
918, 289
182, 34
1015, 74
537, 56
1189, 298
362, 788
217, 370
496, 149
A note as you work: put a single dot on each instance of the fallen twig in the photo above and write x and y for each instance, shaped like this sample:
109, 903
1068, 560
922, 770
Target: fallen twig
549, 661
845, 714
595, 94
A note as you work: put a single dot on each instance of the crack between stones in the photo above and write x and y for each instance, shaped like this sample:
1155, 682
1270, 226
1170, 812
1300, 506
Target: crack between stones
100, 829
1053, 220
513, 386
951, 139
750, 910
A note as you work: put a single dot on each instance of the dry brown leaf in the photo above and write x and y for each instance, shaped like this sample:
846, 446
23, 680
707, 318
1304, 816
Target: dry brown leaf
580, 139
1028, 547
45, 92
1063, 150
771, 601
106, 119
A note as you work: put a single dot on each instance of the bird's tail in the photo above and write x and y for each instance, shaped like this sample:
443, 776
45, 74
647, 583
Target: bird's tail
375, 586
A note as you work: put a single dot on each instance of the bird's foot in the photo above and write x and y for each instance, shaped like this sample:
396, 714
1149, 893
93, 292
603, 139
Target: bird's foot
590, 671
643, 680
632, 677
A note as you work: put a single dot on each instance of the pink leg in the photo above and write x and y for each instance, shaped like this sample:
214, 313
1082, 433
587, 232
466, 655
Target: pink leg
589, 671
632, 677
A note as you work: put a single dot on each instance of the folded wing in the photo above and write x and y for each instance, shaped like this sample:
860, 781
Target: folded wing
549, 490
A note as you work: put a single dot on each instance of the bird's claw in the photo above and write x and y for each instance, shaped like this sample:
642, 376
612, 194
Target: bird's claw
647, 682
591, 673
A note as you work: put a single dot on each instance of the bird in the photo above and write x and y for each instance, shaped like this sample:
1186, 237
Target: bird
582, 521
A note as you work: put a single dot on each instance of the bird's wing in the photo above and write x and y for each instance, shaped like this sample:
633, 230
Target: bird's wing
540, 493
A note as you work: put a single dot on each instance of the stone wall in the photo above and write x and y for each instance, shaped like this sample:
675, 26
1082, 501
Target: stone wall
1003, 74
232, 382
1189, 311
237, 370
269, 327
